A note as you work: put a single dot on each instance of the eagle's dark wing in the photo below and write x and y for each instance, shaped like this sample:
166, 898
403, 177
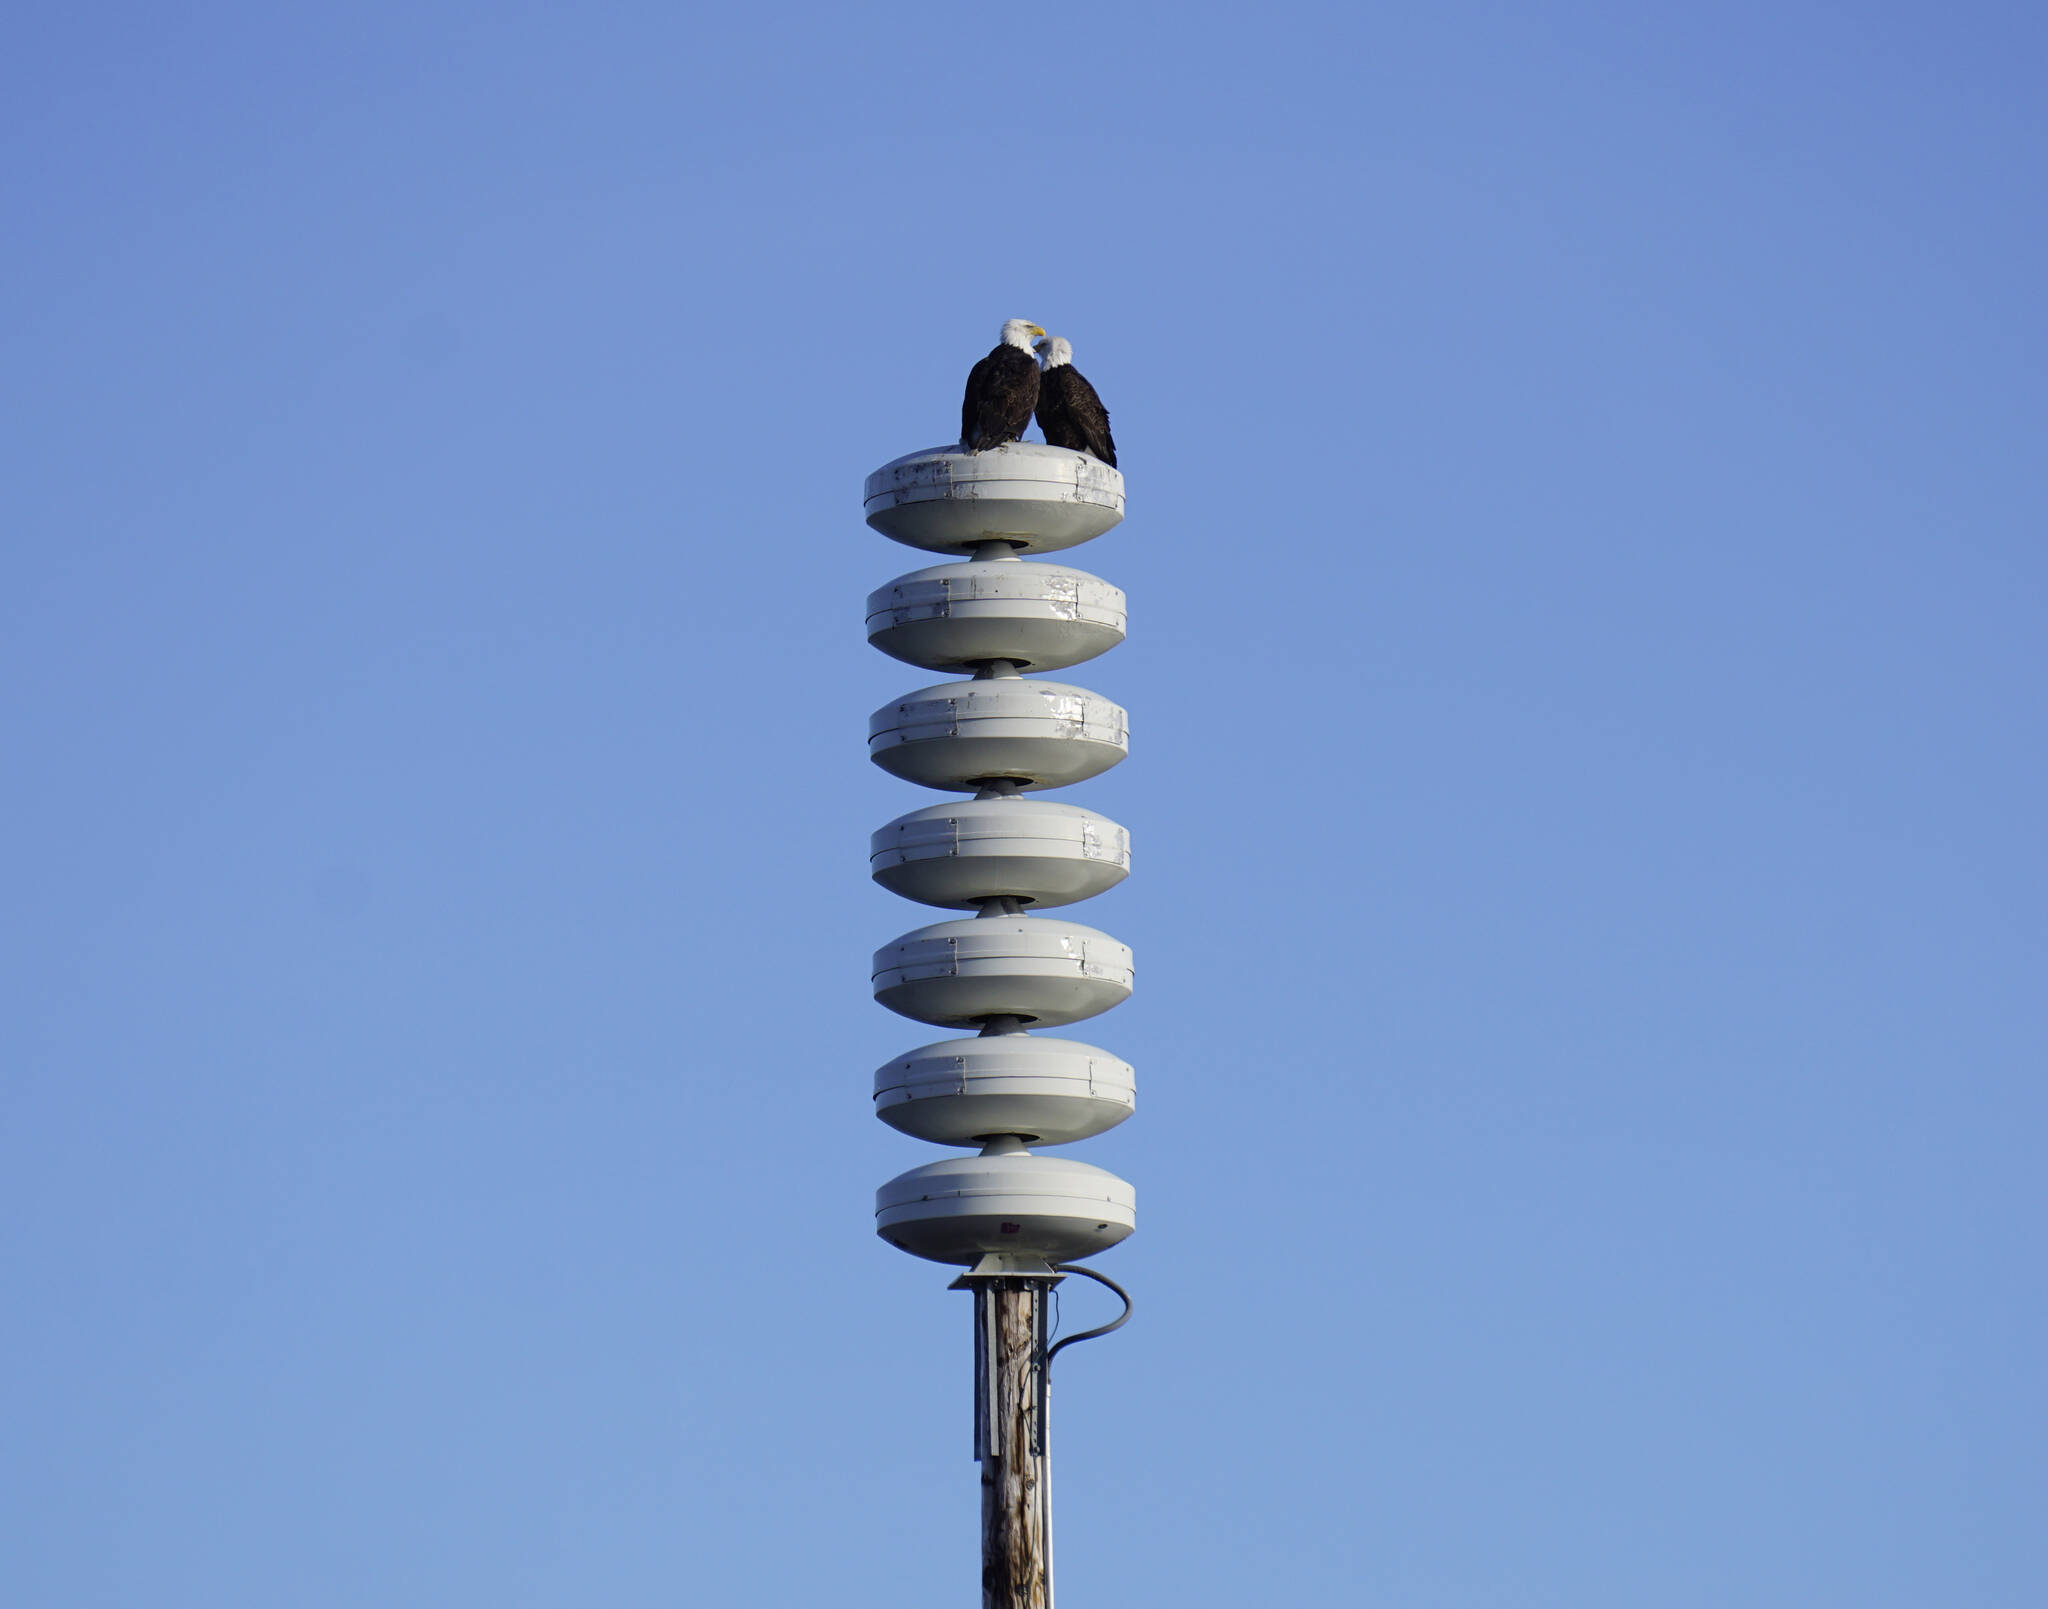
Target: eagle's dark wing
1090, 419
1072, 415
1001, 393
970, 404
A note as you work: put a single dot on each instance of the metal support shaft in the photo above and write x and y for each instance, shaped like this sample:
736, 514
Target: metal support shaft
1009, 1439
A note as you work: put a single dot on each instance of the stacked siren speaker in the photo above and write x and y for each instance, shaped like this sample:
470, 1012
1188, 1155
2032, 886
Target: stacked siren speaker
999, 735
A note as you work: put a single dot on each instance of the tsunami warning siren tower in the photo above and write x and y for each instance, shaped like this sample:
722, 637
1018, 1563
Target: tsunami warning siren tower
1001, 735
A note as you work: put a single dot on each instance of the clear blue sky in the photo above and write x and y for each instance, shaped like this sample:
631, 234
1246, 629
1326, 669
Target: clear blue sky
1588, 588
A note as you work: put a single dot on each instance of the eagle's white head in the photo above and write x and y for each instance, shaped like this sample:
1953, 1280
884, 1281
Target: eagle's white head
1020, 332
1055, 350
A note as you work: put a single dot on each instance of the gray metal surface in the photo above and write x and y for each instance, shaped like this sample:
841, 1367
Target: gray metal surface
1041, 968
954, 734
1043, 850
963, 1091
960, 1208
1005, 1214
1041, 616
1037, 498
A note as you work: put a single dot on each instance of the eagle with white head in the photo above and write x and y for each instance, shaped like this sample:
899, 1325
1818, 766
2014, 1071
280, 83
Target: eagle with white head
1002, 390
1069, 411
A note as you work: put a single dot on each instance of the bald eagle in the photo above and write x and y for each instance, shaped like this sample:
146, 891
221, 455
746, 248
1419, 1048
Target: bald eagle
1002, 389
1069, 411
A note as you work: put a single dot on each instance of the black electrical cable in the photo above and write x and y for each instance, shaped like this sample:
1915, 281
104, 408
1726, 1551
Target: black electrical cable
1116, 1323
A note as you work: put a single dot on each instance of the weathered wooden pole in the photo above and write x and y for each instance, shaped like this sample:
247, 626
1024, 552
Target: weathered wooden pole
1010, 1384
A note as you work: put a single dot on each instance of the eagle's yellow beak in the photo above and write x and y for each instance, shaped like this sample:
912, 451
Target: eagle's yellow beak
1035, 330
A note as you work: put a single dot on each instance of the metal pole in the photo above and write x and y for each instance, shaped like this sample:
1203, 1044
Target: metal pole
1009, 1414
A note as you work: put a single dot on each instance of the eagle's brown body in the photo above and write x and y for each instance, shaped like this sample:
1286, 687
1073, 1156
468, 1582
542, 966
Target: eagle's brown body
1072, 415
1002, 390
